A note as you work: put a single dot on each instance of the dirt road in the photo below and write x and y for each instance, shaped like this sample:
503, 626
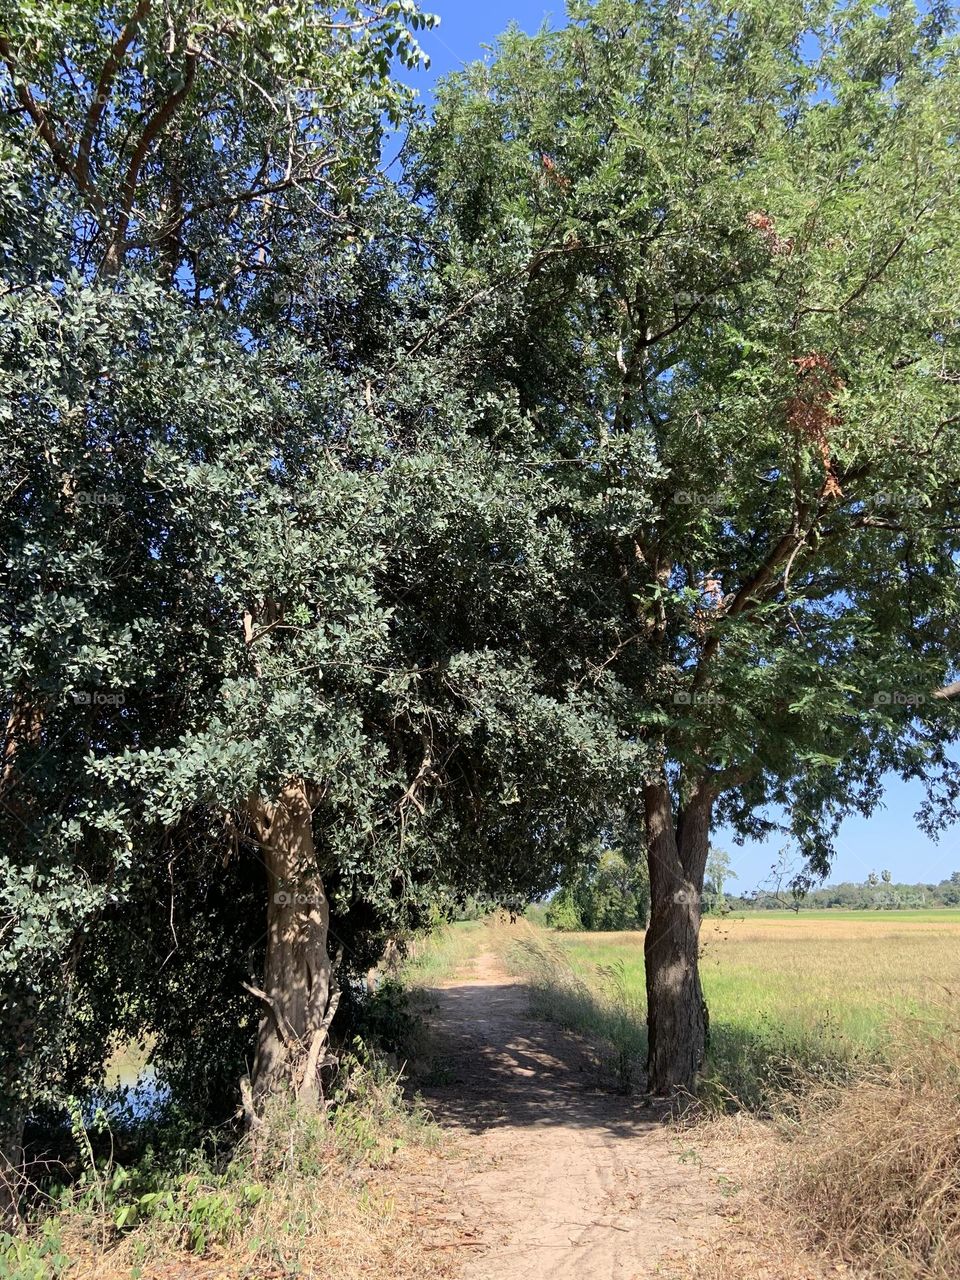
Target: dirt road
559, 1178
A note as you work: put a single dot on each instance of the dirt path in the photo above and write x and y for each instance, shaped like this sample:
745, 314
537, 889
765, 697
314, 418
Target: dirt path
558, 1177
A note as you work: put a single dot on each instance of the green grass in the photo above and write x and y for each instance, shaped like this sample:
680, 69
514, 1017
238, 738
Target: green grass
438, 957
794, 998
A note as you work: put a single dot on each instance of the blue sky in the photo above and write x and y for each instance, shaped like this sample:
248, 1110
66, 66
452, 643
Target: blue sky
465, 26
890, 838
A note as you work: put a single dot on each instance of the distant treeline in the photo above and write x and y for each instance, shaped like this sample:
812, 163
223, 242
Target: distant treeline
877, 893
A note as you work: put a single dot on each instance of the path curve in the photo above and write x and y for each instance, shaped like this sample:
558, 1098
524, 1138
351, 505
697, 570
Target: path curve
558, 1177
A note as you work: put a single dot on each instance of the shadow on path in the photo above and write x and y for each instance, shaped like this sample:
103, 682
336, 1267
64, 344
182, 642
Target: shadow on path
556, 1177
495, 1064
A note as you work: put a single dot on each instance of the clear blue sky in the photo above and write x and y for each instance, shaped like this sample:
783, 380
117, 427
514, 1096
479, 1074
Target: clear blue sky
890, 838
466, 25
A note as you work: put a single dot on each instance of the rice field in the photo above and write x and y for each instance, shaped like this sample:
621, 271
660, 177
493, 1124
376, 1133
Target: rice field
847, 976
791, 995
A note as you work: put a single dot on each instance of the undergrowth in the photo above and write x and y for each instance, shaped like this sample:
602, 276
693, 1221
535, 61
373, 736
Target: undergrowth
309, 1193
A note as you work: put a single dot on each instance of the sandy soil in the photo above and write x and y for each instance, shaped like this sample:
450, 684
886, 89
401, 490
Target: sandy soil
557, 1176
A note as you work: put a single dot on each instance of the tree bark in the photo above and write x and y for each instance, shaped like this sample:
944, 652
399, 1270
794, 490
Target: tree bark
12, 1122
300, 992
676, 1009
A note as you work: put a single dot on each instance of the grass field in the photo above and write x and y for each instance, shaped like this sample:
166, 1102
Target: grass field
846, 976
438, 956
815, 993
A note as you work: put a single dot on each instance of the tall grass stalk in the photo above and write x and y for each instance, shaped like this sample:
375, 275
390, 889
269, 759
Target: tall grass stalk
874, 1169
604, 1007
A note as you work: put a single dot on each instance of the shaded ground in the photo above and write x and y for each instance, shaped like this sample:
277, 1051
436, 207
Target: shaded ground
558, 1177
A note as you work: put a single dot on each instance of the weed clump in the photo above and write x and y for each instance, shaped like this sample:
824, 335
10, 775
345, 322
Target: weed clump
311, 1191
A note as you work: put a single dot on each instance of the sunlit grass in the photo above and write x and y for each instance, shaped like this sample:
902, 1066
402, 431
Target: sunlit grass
805, 971
437, 957
791, 996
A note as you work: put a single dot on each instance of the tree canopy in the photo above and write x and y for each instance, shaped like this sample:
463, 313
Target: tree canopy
274, 616
369, 542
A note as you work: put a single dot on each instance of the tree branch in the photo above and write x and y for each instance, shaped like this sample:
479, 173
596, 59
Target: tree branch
62, 156
104, 84
747, 594
160, 117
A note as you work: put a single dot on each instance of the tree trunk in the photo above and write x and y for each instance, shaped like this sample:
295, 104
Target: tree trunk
300, 992
11, 1162
676, 1010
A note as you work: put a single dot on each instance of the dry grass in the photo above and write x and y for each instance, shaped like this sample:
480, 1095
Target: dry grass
862, 1181
341, 1223
874, 1172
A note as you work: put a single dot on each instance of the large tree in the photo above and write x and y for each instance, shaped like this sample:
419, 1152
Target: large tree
275, 622
151, 157
714, 248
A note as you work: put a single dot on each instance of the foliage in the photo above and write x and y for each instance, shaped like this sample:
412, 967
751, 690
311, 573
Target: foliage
714, 250
608, 893
386, 1021
868, 895
38, 1258
617, 440
179, 139
252, 533
719, 870
689, 283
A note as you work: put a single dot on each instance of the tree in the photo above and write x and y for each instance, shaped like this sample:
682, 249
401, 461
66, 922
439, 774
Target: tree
150, 160
274, 611
718, 870
715, 252
607, 890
